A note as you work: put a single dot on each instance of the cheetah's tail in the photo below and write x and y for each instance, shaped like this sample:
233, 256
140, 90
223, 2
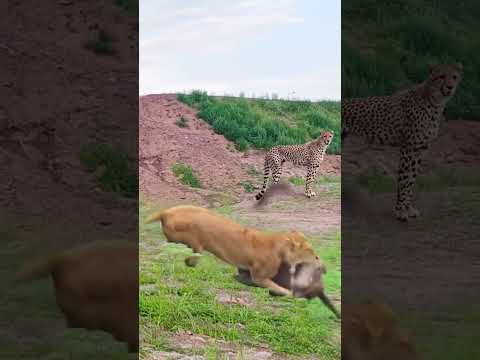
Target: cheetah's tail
266, 174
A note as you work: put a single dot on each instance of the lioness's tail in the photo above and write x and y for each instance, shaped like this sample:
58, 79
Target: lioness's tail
37, 269
328, 303
158, 216
266, 174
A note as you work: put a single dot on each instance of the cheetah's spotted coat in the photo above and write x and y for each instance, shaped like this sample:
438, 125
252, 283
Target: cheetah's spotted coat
309, 155
409, 120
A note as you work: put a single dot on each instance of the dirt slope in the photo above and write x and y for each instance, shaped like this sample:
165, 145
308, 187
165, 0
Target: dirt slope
214, 159
58, 96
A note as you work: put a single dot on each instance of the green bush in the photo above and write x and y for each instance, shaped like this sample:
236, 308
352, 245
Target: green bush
185, 175
263, 123
115, 174
383, 52
248, 186
102, 44
130, 6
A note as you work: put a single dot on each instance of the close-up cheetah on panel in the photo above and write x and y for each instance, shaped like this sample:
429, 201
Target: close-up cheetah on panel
309, 155
409, 120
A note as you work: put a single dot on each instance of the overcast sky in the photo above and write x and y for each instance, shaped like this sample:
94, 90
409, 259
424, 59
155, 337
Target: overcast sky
287, 47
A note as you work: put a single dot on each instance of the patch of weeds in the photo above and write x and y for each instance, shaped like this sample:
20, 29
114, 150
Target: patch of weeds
248, 186
321, 179
182, 122
296, 180
130, 6
114, 173
252, 170
185, 175
219, 199
102, 44
444, 178
376, 181
241, 145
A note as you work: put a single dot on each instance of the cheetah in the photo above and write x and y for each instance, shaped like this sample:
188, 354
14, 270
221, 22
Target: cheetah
309, 155
409, 120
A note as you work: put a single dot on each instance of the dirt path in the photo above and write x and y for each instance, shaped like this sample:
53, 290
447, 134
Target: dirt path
428, 269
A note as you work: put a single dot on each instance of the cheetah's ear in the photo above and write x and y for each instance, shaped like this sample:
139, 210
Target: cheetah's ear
431, 67
459, 67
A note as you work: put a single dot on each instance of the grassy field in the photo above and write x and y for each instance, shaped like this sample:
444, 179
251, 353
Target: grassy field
207, 301
263, 123
383, 52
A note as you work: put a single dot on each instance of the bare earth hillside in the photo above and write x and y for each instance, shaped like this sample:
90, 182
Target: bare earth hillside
216, 162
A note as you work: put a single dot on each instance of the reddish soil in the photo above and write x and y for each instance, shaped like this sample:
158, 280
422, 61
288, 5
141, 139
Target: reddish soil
458, 144
219, 167
58, 96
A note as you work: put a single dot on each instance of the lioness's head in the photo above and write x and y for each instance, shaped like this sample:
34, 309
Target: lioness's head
298, 250
443, 80
325, 138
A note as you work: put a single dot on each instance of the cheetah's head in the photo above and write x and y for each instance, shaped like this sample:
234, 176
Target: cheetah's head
444, 79
325, 138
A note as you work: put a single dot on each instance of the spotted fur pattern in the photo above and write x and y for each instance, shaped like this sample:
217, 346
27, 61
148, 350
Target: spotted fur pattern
409, 120
309, 155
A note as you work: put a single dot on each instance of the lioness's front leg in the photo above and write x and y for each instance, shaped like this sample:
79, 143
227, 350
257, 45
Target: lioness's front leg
273, 287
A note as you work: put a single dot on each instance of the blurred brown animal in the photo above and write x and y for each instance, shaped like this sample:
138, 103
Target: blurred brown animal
96, 287
305, 282
258, 252
369, 332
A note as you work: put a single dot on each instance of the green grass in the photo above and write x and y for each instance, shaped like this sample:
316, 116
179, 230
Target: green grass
377, 182
102, 44
321, 179
383, 52
262, 123
111, 163
186, 175
182, 122
130, 6
440, 342
248, 186
182, 298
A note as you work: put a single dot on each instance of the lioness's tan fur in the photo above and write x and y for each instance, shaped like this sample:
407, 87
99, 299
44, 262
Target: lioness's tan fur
259, 252
96, 287
370, 332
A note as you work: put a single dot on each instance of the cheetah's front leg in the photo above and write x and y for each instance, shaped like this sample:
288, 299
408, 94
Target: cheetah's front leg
410, 160
311, 176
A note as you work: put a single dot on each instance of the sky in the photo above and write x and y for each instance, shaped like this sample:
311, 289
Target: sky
253, 47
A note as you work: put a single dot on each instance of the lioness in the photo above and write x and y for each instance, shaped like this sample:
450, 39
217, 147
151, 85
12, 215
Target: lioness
96, 287
369, 332
258, 252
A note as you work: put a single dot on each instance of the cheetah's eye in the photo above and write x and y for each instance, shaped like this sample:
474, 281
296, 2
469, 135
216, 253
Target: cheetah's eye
454, 77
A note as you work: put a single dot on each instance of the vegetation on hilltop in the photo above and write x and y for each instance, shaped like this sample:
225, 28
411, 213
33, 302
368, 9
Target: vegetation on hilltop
263, 123
389, 45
